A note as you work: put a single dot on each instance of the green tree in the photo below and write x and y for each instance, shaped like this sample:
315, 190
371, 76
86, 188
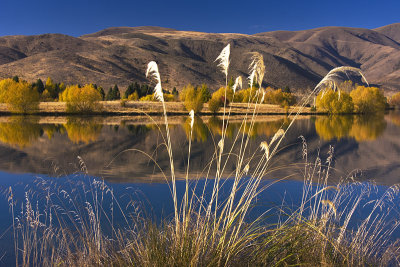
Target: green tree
51, 88
110, 95
205, 93
129, 90
175, 92
101, 91
116, 93
39, 86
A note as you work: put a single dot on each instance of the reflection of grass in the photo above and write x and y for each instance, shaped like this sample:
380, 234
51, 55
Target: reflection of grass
20, 131
84, 130
361, 128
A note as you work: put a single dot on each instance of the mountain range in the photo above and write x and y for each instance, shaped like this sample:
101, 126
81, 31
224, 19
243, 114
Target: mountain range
298, 59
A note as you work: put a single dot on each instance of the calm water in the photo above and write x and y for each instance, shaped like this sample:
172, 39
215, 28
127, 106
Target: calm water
121, 150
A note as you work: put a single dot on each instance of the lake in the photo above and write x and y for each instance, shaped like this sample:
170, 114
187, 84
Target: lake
128, 153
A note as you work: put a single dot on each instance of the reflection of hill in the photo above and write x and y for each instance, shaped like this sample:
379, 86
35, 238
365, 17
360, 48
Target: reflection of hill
361, 128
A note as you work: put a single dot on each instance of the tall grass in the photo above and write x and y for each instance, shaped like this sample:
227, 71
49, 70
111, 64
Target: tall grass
209, 228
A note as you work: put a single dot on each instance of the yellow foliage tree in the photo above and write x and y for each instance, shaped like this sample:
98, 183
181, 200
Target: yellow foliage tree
81, 99
278, 97
329, 101
20, 96
368, 99
395, 100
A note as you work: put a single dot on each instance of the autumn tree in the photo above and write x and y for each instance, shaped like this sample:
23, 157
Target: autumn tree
368, 99
395, 100
330, 101
81, 99
20, 96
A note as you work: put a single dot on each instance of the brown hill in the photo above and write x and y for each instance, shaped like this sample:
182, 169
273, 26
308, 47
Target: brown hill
120, 55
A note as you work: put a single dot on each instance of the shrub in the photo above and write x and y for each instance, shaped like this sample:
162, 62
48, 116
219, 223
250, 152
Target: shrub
214, 105
395, 100
193, 100
81, 99
278, 97
123, 102
368, 99
245, 96
169, 97
220, 94
147, 98
133, 97
331, 102
20, 96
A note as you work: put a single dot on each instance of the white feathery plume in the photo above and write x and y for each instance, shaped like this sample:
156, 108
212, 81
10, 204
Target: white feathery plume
221, 144
191, 114
246, 169
264, 146
257, 69
223, 59
152, 70
158, 94
238, 83
278, 134
263, 96
330, 80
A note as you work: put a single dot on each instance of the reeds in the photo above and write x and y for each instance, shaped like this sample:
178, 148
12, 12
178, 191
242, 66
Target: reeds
208, 228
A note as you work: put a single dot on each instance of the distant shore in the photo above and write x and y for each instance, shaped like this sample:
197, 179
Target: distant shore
155, 108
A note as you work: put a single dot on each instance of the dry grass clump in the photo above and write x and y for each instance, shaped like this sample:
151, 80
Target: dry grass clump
210, 227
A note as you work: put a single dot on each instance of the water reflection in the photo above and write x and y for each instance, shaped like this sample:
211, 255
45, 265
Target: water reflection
361, 128
200, 131
84, 130
29, 143
20, 131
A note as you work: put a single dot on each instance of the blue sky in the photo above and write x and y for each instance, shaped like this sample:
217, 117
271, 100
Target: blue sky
78, 17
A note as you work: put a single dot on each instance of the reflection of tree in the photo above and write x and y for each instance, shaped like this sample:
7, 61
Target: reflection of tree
200, 130
395, 118
266, 128
20, 131
215, 125
368, 128
50, 129
361, 128
84, 130
330, 127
